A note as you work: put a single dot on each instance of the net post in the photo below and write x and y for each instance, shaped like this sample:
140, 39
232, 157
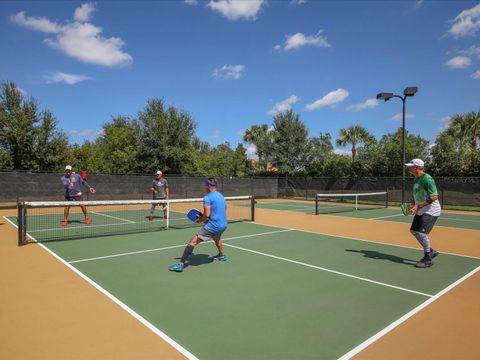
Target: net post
316, 204
20, 223
386, 199
168, 214
356, 202
252, 208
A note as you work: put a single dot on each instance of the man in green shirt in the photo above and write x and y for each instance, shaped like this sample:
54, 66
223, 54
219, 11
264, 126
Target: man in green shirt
425, 208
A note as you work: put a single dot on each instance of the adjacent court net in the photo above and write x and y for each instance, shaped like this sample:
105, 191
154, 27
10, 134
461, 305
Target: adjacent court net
43, 221
334, 203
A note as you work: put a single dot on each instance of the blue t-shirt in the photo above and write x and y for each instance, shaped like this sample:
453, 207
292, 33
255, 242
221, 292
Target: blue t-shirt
218, 214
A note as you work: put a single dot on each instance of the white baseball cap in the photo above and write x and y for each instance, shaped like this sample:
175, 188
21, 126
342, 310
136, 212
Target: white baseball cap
68, 167
415, 162
158, 172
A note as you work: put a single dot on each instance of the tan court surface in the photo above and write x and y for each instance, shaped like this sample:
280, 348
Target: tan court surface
49, 312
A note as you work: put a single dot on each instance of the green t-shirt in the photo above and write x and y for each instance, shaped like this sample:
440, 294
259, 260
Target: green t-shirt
424, 187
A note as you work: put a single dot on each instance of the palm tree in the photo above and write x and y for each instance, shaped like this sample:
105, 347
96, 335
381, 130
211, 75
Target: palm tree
354, 135
466, 129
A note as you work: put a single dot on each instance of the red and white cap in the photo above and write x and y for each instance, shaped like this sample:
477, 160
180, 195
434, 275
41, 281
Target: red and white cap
68, 167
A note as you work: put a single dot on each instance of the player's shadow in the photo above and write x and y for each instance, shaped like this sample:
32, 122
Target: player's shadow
198, 259
381, 256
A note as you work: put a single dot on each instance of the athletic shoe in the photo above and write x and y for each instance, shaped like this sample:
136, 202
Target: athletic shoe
425, 262
220, 257
433, 254
176, 267
87, 220
64, 223
150, 218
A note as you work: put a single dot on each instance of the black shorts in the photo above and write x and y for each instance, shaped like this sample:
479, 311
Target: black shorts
74, 198
423, 223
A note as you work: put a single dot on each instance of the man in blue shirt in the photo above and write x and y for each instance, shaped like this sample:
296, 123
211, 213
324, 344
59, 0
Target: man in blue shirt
215, 216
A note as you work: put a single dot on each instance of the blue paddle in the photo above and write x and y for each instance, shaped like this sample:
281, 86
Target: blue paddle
194, 215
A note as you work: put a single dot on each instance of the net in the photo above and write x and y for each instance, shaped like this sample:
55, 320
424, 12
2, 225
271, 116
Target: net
43, 221
334, 203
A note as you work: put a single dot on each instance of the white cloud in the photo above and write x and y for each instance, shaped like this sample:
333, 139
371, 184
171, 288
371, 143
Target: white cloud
476, 75
471, 51
342, 152
331, 98
35, 23
191, 2
298, 2
85, 133
446, 120
252, 152
398, 117
458, 62
466, 23
228, 72
84, 12
419, 3
79, 39
216, 135
22, 91
59, 77
368, 104
298, 40
237, 9
283, 105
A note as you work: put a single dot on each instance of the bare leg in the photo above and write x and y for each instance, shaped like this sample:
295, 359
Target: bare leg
219, 244
65, 213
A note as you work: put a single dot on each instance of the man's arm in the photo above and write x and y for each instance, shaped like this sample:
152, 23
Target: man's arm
84, 183
206, 214
166, 189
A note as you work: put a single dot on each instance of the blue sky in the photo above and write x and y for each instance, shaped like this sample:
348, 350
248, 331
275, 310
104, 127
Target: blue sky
232, 64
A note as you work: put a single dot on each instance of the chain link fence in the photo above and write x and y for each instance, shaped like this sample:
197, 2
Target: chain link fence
15, 186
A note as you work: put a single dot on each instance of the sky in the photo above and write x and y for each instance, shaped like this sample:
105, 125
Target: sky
233, 64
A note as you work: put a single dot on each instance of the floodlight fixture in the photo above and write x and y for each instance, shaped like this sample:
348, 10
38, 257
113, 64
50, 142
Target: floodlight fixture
410, 91
384, 96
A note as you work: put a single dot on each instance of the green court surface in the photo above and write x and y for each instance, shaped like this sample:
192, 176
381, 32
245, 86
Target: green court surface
282, 294
454, 220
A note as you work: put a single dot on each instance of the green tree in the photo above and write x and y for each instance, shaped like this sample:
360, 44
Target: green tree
119, 143
29, 139
354, 135
466, 128
166, 138
386, 159
319, 150
290, 143
262, 137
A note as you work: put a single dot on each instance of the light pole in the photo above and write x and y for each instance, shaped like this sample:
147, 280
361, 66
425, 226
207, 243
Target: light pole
409, 91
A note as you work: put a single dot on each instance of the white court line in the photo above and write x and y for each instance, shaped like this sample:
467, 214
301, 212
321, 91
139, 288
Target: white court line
369, 241
170, 247
442, 217
457, 219
328, 270
405, 317
130, 311
101, 225
296, 207
113, 217
384, 217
